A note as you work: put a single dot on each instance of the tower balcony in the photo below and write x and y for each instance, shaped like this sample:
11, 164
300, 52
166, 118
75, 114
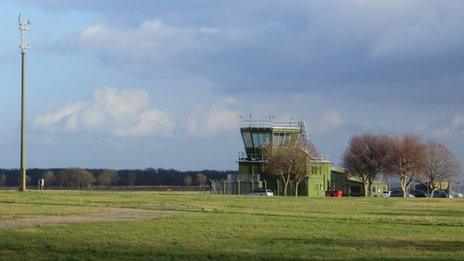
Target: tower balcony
251, 157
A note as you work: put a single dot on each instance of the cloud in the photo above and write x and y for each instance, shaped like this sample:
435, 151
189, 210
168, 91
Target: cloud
110, 111
60, 114
127, 113
328, 121
453, 128
207, 119
154, 45
432, 30
275, 45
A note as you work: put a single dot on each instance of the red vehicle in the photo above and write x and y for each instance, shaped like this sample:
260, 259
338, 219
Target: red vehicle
334, 193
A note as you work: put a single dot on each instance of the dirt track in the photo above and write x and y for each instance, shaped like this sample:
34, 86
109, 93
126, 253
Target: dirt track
109, 214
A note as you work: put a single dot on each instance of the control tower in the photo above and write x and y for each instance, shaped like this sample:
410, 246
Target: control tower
256, 133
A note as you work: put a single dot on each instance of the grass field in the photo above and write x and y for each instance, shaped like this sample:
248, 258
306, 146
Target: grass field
204, 226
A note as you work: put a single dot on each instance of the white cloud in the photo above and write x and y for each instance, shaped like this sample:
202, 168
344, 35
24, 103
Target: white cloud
127, 113
60, 115
219, 117
111, 111
148, 123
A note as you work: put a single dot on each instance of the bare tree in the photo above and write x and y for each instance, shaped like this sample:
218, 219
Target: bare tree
407, 160
188, 180
440, 165
301, 167
107, 177
49, 178
287, 161
304, 153
62, 178
131, 178
278, 163
75, 177
366, 157
201, 180
2, 180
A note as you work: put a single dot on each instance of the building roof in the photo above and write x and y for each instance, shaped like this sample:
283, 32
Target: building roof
268, 124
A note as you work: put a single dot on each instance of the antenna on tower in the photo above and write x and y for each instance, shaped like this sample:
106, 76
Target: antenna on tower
24, 28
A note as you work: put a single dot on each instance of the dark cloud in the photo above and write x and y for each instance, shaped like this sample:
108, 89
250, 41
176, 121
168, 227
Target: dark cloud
291, 45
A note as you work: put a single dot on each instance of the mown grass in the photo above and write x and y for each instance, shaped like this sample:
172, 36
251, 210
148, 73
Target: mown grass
235, 227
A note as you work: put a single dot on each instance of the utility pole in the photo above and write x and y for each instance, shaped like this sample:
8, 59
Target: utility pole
24, 28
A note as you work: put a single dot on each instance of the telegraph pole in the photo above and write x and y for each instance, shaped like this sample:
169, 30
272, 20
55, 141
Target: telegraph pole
24, 28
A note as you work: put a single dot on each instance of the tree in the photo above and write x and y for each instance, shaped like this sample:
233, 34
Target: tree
28, 180
407, 160
288, 160
2, 180
366, 157
107, 177
62, 178
301, 166
49, 178
188, 180
201, 179
76, 177
131, 178
440, 165
278, 163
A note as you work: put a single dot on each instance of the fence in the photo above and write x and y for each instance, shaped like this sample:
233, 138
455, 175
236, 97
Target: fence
240, 187
236, 187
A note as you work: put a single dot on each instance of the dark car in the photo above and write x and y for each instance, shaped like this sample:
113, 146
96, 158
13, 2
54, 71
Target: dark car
419, 194
439, 193
396, 193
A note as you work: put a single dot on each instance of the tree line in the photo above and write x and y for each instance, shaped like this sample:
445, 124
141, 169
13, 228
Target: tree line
367, 157
79, 178
408, 159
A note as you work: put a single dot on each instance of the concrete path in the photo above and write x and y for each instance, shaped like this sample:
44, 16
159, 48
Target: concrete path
108, 214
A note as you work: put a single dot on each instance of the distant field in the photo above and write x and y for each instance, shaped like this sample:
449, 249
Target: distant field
176, 225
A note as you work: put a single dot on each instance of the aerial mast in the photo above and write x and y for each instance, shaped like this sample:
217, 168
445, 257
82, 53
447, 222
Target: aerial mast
24, 28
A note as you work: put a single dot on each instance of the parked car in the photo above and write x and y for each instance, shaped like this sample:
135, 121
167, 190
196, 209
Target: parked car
399, 194
396, 193
386, 194
419, 194
261, 192
439, 193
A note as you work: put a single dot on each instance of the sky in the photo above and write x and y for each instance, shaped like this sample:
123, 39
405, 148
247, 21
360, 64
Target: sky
146, 83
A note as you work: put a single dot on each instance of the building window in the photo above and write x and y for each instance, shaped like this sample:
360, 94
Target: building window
259, 139
277, 139
247, 139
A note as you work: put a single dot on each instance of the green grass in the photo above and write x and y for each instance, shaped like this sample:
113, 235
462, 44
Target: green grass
234, 227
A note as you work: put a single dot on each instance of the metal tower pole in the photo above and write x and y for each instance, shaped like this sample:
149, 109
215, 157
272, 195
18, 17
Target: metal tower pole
24, 27
23, 122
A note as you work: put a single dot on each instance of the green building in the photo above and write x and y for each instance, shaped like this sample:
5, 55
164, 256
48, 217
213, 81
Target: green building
323, 175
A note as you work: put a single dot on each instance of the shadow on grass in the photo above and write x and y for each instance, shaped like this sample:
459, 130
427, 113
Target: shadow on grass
444, 246
424, 213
